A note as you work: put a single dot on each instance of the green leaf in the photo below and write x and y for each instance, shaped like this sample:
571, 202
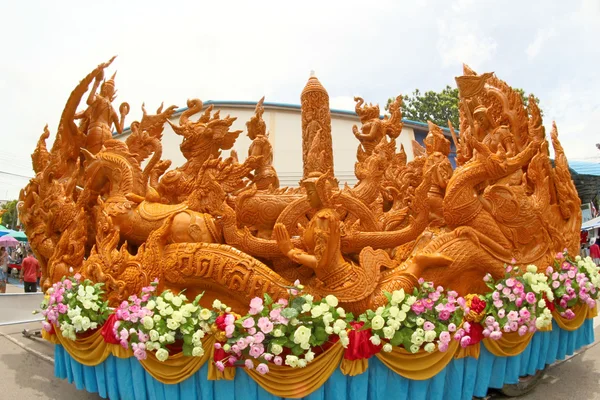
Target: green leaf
297, 303
397, 339
297, 350
268, 299
280, 340
187, 349
320, 334
289, 313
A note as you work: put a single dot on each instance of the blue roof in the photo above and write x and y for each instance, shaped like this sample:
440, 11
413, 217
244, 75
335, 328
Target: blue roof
585, 167
288, 106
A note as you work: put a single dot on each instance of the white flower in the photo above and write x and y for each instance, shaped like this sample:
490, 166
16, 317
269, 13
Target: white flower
292, 361
309, 298
197, 352
375, 339
394, 311
379, 310
302, 363
429, 347
339, 325
86, 304
154, 335
343, 334
329, 330
177, 301
401, 315
416, 339
172, 324
345, 341
331, 300
410, 301
162, 354
277, 333
532, 269
177, 316
150, 305
89, 290
169, 337
305, 346
414, 348
302, 335
276, 349
430, 336
420, 321
205, 314
306, 307
81, 291
327, 318
168, 296
377, 322
388, 332
148, 322
85, 323
397, 297
69, 295
405, 307
217, 304
542, 303
324, 307
169, 310
156, 317
387, 347
341, 312
309, 356
316, 312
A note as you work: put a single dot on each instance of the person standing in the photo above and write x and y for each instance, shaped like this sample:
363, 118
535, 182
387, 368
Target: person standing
3, 269
29, 273
595, 252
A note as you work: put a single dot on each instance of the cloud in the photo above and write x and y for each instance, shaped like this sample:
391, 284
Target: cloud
342, 103
541, 37
462, 42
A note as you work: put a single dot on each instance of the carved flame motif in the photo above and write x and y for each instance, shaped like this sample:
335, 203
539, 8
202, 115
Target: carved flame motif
226, 228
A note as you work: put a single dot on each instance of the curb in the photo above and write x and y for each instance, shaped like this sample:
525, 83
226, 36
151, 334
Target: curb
28, 349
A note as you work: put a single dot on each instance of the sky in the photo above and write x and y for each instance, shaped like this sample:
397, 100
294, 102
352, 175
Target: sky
242, 50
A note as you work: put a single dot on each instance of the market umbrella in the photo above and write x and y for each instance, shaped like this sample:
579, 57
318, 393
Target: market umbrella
4, 229
20, 236
8, 240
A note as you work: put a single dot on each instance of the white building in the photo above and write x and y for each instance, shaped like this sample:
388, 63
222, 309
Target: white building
285, 127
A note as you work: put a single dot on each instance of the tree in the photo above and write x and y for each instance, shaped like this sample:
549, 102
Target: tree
437, 107
9, 218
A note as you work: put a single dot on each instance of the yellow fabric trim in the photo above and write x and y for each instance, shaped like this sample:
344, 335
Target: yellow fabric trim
470, 351
582, 312
354, 367
510, 344
418, 366
295, 383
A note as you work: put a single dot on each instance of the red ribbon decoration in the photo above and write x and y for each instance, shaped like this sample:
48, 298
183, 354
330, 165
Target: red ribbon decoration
108, 331
360, 347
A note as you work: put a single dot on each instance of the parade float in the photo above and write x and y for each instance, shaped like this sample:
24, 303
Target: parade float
209, 280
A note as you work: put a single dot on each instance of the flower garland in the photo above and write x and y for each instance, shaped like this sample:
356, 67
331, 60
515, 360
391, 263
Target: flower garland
295, 330
74, 306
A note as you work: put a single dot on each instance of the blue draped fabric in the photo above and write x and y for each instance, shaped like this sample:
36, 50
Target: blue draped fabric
117, 378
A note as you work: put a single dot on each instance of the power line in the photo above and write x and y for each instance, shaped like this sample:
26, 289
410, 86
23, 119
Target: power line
13, 174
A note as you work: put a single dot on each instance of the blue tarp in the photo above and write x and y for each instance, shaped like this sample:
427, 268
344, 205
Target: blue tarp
118, 378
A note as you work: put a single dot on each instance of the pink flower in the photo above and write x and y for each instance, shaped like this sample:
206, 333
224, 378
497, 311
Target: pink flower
569, 314
265, 324
256, 306
510, 282
77, 276
241, 343
522, 330
487, 278
248, 323
501, 313
421, 281
559, 256
524, 313
452, 327
259, 337
444, 315
530, 297
47, 326
268, 356
231, 360
445, 337
277, 360
140, 354
489, 321
498, 304
283, 302
495, 335
486, 332
229, 329
256, 350
519, 302
442, 347
252, 331
465, 341
513, 316
514, 326
249, 364
235, 349
262, 368
513, 261
467, 327
496, 296
62, 308
428, 326
220, 366
124, 334
217, 346
418, 307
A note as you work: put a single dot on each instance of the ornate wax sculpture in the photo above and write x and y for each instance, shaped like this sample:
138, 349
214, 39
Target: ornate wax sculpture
111, 211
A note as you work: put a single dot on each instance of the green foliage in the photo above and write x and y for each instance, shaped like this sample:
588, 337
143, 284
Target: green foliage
437, 107
9, 219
